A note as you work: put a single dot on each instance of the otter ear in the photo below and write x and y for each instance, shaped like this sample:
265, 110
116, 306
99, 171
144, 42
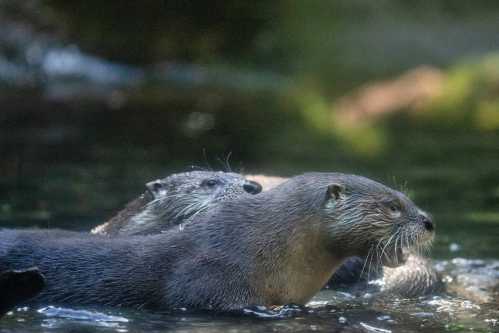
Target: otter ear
334, 191
156, 188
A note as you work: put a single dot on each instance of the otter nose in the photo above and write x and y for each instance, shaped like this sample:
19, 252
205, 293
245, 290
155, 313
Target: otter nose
252, 187
427, 222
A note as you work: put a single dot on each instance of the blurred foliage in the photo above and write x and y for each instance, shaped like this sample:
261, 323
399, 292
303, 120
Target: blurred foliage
470, 96
143, 32
467, 100
365, 139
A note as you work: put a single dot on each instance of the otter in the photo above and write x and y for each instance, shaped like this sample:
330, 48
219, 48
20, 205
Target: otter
18, 286
173, 200
278, 247
416, 277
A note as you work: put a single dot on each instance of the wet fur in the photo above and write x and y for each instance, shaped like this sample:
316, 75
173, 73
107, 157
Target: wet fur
115, 224
278, 247
181, 197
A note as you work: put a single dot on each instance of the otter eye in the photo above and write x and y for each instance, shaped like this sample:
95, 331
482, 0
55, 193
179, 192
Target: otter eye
210, 182
156, 187
394, 207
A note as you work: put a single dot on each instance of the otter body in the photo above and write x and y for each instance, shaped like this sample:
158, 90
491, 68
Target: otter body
174, 200
82, 269
276, 248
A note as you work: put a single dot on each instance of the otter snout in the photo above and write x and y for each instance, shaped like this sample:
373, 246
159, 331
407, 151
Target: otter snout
252, 187
427, 222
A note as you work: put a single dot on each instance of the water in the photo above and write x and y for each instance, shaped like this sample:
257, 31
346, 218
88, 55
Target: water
328, 311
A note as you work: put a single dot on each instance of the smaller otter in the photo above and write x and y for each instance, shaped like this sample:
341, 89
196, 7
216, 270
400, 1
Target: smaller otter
174, 200
18, 286
279, 247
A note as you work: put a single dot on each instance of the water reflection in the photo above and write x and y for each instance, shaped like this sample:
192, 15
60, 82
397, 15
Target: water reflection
325, 313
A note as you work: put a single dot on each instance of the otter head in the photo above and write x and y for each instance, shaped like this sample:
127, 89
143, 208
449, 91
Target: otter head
374, 221
211, 185
178, 197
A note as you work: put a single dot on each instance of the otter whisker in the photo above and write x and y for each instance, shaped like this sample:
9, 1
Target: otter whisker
422, 245
370, 268
186, 209
201, 209
227, 162
379, 245
378, 253
369, 265
365, 262
387, 244
417, 242
183, 211
403, 243
162, 199
430, 244
395, 247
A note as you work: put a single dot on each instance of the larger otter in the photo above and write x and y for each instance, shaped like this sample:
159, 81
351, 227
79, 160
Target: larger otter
275, 248
416, 277
173, 200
